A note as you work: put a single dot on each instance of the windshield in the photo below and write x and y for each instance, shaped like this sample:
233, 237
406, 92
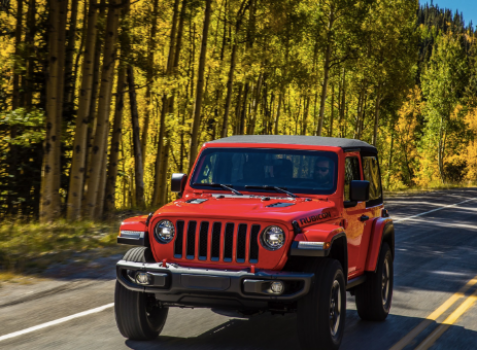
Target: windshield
297, 171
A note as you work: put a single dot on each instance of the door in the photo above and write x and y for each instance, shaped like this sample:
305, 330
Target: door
357, 217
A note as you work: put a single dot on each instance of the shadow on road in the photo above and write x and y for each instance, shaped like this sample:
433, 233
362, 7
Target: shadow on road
279, 332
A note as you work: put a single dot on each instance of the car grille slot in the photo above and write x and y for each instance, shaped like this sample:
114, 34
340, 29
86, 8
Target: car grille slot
215, 253
191, 239
216, 241
228, 242
203, 240
179, 239
253, 258
241, 242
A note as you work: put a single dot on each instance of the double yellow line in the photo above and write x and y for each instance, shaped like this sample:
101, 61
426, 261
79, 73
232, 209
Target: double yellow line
451, 319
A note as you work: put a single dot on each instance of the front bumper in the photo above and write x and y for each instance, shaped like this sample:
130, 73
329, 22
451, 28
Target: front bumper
181, 286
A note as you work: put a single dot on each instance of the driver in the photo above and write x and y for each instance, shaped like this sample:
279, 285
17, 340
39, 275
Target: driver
323, 172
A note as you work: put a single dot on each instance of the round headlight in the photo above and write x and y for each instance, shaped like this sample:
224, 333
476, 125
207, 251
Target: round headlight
273, 238
164, 231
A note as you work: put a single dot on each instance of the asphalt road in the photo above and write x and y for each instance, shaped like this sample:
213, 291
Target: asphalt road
436, 256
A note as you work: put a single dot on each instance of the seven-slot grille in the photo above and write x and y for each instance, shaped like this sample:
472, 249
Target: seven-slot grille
216, 241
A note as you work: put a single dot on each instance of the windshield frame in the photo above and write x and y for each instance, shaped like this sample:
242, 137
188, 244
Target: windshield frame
330, 154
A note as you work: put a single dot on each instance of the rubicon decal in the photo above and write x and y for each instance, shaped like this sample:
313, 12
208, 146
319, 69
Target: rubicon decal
314, 218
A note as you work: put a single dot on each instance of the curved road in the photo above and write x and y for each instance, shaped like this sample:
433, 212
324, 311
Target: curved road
434, 305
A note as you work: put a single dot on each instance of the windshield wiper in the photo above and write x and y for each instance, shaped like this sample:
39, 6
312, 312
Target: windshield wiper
276, 188
227, 187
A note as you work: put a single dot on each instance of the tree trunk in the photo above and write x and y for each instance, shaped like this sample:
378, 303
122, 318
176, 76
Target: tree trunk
61, 56
277, 118
196, 115
138, 162
151, 48
96, 80
30, 40
228, 99
238, 105
342, 105
243, 113
71, 95
390, 160
359, 110
376, 114
50, 197
17, 64
305, 115
165, 167
110, 199
77, 172
253, 114
440, 152
70, 50
363, 115
102, 126
330, 132
326, 72
233, 62
12, 159
164, 111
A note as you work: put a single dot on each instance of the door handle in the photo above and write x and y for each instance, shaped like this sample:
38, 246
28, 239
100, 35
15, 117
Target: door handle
364, 218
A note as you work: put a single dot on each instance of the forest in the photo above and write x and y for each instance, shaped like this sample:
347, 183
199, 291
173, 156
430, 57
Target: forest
102, 100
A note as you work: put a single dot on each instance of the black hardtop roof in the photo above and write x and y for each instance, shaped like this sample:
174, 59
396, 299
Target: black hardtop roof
345, 144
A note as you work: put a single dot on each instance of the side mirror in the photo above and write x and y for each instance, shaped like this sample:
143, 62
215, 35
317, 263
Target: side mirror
178, 182
359, 191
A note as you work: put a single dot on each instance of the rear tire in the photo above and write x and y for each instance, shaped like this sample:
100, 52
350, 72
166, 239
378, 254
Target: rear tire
321, 313
374, 297
138, 315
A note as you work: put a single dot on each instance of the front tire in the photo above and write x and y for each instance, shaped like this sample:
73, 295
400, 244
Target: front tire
374, 297
321, 313
138, 315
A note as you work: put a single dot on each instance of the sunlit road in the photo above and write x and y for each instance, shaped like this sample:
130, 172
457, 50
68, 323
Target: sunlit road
436, 256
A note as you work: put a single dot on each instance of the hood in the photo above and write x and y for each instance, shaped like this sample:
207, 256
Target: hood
286, 210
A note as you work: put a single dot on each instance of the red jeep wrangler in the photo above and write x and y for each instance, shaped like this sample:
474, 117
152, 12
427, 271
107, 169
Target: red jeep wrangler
264, 223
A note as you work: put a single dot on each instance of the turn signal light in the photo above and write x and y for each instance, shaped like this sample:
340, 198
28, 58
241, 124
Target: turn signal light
314, 245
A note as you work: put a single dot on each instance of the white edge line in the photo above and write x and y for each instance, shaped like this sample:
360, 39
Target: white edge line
55, 322
431, 211
104, 307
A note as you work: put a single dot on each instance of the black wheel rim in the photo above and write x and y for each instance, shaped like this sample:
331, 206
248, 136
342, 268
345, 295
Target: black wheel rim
153, 310
335, 308
385, 282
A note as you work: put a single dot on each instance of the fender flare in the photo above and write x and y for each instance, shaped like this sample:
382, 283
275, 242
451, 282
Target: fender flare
383, 231
338, 248
138, 225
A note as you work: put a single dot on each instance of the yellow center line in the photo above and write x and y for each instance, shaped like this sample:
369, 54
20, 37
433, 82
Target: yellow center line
408, 338
449, 321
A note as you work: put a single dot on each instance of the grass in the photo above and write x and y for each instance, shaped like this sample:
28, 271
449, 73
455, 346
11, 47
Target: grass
32, 247
398, 189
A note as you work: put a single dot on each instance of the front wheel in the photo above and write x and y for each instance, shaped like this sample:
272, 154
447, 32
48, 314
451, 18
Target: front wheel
321, 313
373, 297
138, 315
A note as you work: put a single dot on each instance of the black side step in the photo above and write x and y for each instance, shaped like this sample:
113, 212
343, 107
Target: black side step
355, 282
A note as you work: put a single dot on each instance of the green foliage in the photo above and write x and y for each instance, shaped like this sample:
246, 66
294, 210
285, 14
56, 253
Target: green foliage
31, 122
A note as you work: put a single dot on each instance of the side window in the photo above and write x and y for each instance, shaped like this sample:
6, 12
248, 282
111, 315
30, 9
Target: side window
351, 173
371, 173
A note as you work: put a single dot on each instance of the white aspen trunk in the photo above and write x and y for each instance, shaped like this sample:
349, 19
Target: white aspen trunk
98, 159
109, 204
138, 161
196, 115
77, 172
49, 203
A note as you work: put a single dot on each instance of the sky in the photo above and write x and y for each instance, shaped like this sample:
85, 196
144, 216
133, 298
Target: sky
468, 7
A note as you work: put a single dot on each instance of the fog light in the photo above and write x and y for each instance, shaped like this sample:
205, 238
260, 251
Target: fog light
142, 278
277, 287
